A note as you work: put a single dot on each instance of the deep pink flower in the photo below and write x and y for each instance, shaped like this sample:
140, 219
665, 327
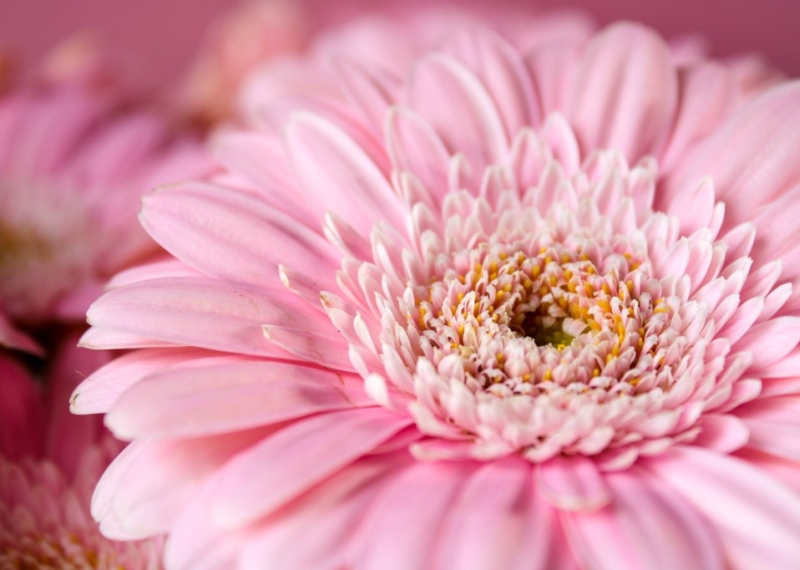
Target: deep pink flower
476, 305
49, 464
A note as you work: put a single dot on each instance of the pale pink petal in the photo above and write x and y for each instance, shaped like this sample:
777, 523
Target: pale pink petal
224, 397
572, 483
753, 149
156, 269
502, 71
202, 313
232, 235
497, 521
371, 90
625, 92
453, 100
337, 175
645, 526
417, 501
414, 146
774, 425
755, 515
101, 389
307, 451
724, 433
771, 340
334, 510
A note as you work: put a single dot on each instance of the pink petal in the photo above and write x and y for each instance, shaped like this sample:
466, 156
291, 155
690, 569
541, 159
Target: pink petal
572, 483
706, 96
166, 267
151, 481
755, 515
553, 67
307, 451
414, 146
497, 521
205, 313
774, 425
502, 71
625, 93
233, 235
452, 99
98, 393
755, 148
22, 419
334, 510
370, 89
770, 341
417, 501
724, 433
646, 526
229, 396
337, 175
321, 347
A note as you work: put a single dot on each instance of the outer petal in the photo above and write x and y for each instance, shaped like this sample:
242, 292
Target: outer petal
497, 521
307, 452
233, 235
204, 313
774, 425
230, 396
416, 502
752, 157
646, 526
756, 516
625, 93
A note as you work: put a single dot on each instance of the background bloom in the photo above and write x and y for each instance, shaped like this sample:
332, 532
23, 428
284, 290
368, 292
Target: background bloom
471, 304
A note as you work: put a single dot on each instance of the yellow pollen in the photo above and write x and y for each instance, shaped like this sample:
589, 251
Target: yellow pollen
584, 257
500, 356
548, 375
591, 270
606, 289
507, 287
589, 289
661, 310
567, 274
543, 290
542, 250
503, 255
535, 271
526, 378
548, 260
596, 372
460, 297
527, 284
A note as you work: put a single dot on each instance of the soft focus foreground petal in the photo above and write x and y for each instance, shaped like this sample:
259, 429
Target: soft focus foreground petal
572, 483
334, 509
230, 396
205, 313
625, 93
98, 393
645, 526
21, 412
156, 269
774, 425
751, 158
337, 175
151, 481
233, 235
293, 460
416, 503
756, 516
497, 521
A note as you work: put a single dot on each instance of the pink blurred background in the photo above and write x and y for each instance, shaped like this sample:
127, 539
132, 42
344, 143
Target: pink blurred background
159, 36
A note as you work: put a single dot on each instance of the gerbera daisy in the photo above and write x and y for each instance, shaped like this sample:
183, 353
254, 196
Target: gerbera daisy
74, 160
493, 306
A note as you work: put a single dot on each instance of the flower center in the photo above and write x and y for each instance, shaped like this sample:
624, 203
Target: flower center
524, 318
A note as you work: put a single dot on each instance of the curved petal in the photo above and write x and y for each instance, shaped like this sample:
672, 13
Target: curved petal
497, 521
645, 526
337, 175
774, 425
625, 92
572, 483
303, 454
752, 157
756, 516
452, 99
233, 235
237, 395
204, 313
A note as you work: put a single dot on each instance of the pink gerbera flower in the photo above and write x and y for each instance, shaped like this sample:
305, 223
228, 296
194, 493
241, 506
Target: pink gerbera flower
73, 164
494, 306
